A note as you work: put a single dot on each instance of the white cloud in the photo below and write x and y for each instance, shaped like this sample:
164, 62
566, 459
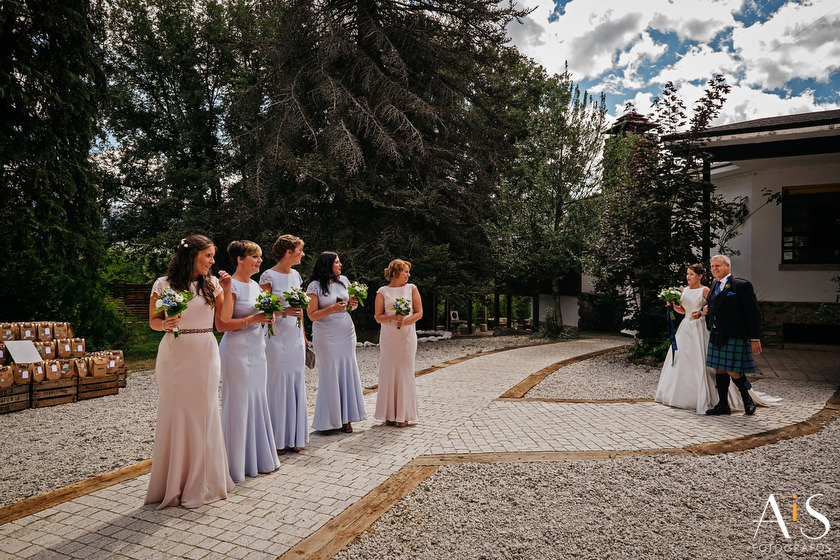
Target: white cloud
613, 44
742, 103
642, 101
594, 37
746, 103
700, 63
799, 41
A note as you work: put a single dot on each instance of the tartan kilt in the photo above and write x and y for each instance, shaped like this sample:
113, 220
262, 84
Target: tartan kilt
736, 355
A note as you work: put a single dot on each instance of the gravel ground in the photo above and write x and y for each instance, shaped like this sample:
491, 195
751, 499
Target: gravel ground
631, 507
611, 376
636, 507
608, 376
645, 507
48, 448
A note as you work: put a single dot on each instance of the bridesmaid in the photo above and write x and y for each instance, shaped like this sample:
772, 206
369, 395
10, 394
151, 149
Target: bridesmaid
246, 420
286, 351
396, 399
340, 400
190, 464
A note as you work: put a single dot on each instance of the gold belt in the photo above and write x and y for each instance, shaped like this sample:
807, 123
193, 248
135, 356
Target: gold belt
193, 331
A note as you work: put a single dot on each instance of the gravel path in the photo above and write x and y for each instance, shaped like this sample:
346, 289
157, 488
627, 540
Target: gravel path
637, 507
633, 507
48, 448
609, 376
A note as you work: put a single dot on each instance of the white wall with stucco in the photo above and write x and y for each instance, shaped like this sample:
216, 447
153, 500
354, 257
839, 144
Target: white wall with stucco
760, 239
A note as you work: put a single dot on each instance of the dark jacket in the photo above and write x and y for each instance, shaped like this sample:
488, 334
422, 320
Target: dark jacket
734, 312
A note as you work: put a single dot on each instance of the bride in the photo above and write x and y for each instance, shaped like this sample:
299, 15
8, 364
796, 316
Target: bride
687, 382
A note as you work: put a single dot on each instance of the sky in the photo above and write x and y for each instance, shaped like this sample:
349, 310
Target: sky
780, 56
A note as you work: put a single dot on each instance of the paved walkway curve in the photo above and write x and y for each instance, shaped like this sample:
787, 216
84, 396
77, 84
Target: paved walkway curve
460, 413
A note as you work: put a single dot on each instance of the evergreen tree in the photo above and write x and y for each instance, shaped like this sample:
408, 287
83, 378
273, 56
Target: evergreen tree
51, 249
373, 126
170, 65
548, 215
653, 215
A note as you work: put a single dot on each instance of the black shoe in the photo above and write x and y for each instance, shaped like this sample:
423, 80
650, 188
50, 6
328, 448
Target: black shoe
743, 388
719, 409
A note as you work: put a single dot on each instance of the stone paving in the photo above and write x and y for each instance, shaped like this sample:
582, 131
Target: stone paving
460, 413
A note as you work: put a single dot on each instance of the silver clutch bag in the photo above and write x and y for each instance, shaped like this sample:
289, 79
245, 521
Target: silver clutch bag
310, 357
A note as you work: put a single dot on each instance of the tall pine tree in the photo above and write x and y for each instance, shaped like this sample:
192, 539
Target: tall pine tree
378, 126
51, 248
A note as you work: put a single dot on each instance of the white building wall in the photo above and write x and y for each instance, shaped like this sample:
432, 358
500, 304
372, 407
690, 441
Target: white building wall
568, 306
760, 238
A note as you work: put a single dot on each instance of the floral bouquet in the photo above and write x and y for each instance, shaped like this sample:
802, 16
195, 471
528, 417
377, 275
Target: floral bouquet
403, 307
359, 290
296, 297
173, 303
268, 303
671, 295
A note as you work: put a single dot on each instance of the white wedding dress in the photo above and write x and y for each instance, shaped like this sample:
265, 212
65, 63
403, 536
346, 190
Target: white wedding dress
688, 383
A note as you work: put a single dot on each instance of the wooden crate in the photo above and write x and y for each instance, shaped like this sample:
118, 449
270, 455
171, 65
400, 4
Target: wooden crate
122, 377
14, 398
49, 393
91, 387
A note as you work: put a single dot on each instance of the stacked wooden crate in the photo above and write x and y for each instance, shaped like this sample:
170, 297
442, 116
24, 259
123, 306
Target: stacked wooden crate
67, 372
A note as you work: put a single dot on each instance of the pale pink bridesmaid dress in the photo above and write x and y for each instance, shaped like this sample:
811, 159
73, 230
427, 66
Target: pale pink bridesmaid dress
396, 397
189, 463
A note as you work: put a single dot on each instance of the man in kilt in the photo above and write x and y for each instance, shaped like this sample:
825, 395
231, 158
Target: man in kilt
734, 323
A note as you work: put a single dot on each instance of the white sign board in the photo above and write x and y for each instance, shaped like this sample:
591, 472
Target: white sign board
23, 351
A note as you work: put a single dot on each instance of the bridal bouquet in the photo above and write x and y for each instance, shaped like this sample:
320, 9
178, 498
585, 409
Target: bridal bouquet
296, 297
403, 307
672, 295
359, 290
173, 303
268, 303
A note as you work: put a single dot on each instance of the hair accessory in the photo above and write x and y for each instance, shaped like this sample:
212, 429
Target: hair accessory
184, 242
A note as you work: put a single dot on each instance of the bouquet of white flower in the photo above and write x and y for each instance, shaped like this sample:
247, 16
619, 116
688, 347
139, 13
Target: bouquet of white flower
402, 307
672, 295
359, 290
268, 303
173, 303
296, 297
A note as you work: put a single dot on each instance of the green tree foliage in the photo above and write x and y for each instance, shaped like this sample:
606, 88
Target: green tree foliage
51, 249
548, 215
170, 65
653, 215
376, 127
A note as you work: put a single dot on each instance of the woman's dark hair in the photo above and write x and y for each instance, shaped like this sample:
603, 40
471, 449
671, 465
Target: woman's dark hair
180, 271
284, 244
323, 271
698, 270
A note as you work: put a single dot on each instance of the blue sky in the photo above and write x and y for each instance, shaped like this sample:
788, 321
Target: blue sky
780, 56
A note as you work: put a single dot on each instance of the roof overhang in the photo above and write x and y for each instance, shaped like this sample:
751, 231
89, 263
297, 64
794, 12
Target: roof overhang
788, 139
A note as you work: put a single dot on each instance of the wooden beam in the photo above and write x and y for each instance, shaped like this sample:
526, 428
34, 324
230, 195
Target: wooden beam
50, 499
341, 530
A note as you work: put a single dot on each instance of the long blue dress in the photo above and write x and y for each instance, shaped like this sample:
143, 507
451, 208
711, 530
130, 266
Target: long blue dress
246, 421
340, 399
285, 353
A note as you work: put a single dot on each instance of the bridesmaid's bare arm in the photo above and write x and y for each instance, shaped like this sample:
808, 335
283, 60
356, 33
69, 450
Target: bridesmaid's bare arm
417, 306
